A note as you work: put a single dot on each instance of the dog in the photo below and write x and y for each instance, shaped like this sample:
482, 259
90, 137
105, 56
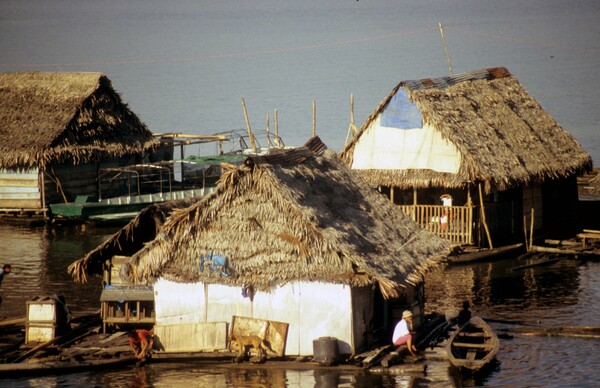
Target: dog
245, 342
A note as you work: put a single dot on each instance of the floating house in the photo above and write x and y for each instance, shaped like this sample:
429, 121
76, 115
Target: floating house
56, 131
294, 238
472, 157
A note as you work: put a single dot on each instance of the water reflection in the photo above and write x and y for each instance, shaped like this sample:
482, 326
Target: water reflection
498, 290
564, 293
39, 258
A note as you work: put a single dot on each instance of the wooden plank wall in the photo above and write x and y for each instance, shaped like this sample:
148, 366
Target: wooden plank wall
532, 199
19, 189
192, 337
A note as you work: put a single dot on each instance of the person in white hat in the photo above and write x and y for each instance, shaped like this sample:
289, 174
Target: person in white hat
402, 333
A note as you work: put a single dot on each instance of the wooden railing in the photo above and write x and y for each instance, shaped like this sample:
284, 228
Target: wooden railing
453, 223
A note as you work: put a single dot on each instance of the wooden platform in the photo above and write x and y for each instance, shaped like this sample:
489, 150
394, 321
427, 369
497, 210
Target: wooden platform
588, 235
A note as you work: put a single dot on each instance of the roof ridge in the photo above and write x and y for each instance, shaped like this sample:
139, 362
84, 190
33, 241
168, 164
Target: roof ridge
445, 82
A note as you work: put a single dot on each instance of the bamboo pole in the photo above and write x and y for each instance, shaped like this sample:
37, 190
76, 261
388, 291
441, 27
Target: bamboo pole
525, 231
276, 119
351, 128
250, 135
42, 184
485, 226
531, 230
314, 118
446, 49
269, 144
469, 200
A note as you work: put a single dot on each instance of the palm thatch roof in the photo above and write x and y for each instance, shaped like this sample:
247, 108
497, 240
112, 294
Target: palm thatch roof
300, 215
130, 239
65, 117
503, 136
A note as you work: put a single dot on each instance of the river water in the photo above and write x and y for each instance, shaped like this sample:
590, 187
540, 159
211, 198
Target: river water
565, 293
184, 65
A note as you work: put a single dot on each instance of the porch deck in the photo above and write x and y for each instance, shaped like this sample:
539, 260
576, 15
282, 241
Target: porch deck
453, 223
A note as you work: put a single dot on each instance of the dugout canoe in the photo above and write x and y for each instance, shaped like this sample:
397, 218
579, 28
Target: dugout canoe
473, 346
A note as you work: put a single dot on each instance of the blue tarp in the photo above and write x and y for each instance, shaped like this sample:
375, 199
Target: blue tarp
401, 113
214, 263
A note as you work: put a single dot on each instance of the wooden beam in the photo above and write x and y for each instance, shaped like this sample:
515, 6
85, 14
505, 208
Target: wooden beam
250, 135
487, 231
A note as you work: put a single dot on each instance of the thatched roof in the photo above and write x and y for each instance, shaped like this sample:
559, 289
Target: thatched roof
65, 117
503, 136
130, 239
301, 215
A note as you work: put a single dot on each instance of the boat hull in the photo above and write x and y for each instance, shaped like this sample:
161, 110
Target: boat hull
473, 346
126, 206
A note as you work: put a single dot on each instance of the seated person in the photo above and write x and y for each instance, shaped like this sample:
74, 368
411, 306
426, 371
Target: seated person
464, 315
402, 332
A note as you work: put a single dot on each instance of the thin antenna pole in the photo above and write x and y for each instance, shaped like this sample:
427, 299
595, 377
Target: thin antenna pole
446, 48
250, 135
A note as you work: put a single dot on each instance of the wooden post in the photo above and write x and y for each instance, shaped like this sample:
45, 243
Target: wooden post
351, 128
531, 230
415, 206
182, 152
527, 247
314, 119
485, 226
275, 117
250, 135
469, 200
446, 49
269, 144
42, 185
392, 193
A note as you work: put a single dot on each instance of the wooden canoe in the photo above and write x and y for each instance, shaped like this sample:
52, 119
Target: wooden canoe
473, 345
484, 254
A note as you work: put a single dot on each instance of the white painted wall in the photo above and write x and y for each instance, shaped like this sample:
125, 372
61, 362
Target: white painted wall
177, 303
312, 310
392, 148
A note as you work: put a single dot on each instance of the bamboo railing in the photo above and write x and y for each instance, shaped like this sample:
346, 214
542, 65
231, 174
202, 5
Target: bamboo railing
453, 223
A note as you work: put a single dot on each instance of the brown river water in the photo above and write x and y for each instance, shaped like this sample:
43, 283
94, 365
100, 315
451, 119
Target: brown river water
561, 294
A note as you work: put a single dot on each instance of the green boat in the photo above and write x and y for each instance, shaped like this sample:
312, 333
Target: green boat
142, 185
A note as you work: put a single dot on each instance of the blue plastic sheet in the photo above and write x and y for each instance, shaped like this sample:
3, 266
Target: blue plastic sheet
401, 113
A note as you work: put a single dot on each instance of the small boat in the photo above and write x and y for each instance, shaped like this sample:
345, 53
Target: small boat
119, 209
167, 179
470, 255
473, 345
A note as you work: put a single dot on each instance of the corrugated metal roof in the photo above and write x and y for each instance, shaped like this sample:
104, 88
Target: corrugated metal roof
445, 82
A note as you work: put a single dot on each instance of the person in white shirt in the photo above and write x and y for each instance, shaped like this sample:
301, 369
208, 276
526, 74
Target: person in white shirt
402, 332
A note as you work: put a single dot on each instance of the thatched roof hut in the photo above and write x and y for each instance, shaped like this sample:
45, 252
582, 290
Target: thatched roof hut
501, 135
128, 240
301, 215
73, 118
